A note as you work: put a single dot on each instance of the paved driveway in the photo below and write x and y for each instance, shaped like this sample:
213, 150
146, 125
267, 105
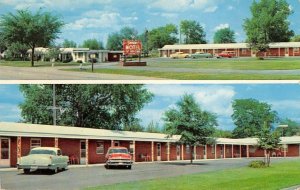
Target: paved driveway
78, 178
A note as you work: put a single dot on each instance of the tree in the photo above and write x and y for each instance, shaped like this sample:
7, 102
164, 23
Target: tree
223, 36
134, 125
296, 38
33, 30
219, 133
53, 54
249, 116
153, 127
93, 106
69, 44
268, 141
17, 50
188, 120
292, 129
158, 37
193, 32
93, 44
3, 46
115, 40
269, 23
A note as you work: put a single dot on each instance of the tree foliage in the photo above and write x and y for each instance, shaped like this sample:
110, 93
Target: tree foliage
193, 32
188, 120
249, 116
17, 51
158, 37
223, 36
53, 54
153, 127
93, 106
268, 141
269, 23
296, 38
219, 133
115, 40
24, 27
93, 44
69, 44
292, 129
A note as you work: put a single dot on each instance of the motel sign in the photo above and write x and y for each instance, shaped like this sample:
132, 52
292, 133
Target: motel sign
132, 47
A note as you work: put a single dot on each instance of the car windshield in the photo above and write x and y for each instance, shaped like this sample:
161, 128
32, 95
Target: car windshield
51, 152
121, 150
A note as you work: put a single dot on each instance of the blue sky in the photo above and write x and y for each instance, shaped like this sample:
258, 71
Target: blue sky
284, 98
97, 18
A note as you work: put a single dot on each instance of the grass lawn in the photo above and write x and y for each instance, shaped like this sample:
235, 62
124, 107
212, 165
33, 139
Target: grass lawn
192, 76
236, 64
278, 176
36, 64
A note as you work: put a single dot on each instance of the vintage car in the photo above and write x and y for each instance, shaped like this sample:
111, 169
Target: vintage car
179, 55
198, 55
228, 54
118, 156
43, 158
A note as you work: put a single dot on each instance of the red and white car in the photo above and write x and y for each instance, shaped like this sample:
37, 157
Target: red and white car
228, 54
118, 156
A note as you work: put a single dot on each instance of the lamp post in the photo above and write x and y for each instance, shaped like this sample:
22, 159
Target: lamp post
283, 126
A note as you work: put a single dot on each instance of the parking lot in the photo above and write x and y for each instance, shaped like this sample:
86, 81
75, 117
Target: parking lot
79, 178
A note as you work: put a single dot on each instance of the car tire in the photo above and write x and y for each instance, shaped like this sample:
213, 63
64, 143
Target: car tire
129, 167
26, 171
54, 171
107, 167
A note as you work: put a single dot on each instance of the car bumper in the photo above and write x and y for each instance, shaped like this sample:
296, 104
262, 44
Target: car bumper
119, 162
37, 167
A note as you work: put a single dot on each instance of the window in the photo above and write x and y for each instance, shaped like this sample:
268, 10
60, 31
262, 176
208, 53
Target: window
296, 50
4, 149
187, 149
131, 147
80, 55
99, 147
244, 51
35, 143
116, 143
59, 153
212, 149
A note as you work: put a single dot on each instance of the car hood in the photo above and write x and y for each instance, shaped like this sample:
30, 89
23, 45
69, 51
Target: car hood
119, 156
36, 159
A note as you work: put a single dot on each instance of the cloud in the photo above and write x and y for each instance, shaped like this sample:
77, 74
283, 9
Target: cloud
9, 112
230, 8
210, 9
148, 115
221, 26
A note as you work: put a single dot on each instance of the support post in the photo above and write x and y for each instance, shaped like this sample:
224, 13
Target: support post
247, 151
19, 148
224, 152
206, 151
152, 151
87, 152
56, 142
195, 152
240, 151
284, 150
232, 151
168, 151
182, 155
133, 152
215, 151
112, 143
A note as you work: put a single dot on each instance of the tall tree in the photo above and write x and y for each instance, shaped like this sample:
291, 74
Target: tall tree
94, 106
153, 127
296, 38
292, 129
269, 23
69, 44
193, 32
115, 40
268, 141
223, 36
249, 115
158, 37
219, 133
191, 122
17, 50
93, 44
39, 29
2, 44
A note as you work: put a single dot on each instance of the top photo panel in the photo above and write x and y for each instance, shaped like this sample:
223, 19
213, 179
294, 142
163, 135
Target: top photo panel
150, 40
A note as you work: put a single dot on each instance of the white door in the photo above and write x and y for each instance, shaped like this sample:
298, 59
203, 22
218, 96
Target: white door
4, 149
158, 145
178, 152
82, 152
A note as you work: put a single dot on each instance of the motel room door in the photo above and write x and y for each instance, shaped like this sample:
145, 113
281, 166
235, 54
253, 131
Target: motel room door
178, 152
286, 52
5, 152
82, 152
158, 151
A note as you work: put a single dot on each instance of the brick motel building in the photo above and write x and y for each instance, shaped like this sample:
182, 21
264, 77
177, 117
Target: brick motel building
281, 49
89, 146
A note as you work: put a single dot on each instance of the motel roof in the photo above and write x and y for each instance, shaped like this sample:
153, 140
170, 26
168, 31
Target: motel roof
227, 46
37, 130
254, 141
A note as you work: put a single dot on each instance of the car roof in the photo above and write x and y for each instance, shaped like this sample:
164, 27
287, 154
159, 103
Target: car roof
117, 147
47, 148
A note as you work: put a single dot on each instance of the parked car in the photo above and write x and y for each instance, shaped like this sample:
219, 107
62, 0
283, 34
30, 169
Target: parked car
118, 156
43, 158
228, 54
179, 55
198, 55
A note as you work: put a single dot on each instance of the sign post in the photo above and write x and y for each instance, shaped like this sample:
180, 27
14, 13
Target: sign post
131, 48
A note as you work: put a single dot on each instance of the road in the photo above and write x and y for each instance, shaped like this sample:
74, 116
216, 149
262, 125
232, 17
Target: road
79, 178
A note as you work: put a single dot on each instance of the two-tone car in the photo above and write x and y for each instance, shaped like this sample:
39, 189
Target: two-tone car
43, 158
118, 157
199, 55
228, 54
179, 55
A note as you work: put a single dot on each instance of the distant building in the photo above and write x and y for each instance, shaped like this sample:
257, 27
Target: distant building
281, 49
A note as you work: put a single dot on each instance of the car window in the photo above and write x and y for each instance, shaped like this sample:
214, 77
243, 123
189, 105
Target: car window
112, 151
51, 152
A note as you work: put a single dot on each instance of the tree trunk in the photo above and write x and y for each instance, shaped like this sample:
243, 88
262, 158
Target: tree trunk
32, 56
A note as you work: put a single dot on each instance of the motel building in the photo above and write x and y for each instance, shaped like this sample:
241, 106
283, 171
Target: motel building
88, 146
281, 49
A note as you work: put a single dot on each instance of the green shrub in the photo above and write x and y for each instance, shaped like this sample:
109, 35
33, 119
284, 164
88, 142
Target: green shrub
257, 164
260, 58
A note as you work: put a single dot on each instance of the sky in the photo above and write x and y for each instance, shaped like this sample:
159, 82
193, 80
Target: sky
215, 98
98, 18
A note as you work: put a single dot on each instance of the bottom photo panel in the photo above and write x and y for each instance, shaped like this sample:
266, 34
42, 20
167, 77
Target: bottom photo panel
150, 136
